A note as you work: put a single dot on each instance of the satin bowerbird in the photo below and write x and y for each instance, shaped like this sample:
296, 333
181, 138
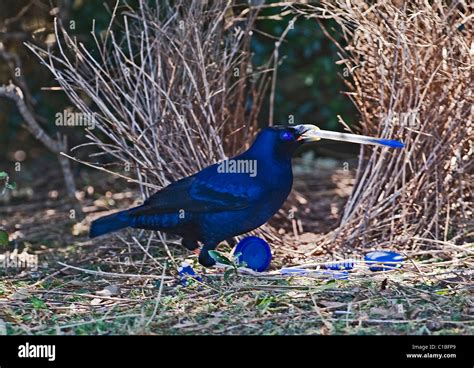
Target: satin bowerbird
228, 198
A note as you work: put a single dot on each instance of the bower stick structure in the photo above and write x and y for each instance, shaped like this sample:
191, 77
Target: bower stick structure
408, 67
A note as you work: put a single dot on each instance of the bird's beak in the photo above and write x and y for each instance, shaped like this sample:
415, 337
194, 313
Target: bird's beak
306, 133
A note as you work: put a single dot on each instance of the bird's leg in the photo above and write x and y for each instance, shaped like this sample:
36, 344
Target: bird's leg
190, 243
204, 258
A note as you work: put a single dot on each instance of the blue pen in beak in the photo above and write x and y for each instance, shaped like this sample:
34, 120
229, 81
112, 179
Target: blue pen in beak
311, 133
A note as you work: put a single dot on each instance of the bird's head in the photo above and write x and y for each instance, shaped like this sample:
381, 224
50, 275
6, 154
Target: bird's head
282, 141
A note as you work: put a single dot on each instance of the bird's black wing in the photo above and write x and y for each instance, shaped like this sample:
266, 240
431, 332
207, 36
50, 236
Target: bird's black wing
212, 192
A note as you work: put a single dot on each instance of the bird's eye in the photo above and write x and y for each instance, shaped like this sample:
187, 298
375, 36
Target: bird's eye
287, 136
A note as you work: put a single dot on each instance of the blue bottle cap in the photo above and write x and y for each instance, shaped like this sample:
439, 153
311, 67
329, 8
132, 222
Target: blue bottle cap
255, 252
376, 259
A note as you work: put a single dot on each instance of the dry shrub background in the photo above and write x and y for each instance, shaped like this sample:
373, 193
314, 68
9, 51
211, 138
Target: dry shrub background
170, 90
172, 93
176, 91
409, 68
168, 103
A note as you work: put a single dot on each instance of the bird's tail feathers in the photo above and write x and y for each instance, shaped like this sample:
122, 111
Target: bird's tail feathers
110, 223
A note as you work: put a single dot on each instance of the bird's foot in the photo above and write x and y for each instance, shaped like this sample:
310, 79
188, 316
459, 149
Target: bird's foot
204, 258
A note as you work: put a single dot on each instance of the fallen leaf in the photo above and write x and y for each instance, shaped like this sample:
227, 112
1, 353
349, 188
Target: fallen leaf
330, 304
395, 312
109, 290
381, 311
96, 301
20, 294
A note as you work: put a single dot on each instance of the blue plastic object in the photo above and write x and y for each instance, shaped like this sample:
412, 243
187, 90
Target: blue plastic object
255, 252
185, 272
393, 143
340, 265
376, 260
330, 274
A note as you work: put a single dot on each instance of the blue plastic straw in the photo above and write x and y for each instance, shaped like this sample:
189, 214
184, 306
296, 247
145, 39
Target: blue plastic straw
314, 131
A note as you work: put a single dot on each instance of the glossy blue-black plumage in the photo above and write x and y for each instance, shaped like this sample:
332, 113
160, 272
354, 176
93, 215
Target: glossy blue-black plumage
214, 204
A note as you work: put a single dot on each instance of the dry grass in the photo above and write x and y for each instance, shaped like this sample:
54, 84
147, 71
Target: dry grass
430, 294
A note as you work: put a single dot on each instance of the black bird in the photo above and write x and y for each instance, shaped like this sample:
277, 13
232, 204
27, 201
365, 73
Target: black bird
225, 199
